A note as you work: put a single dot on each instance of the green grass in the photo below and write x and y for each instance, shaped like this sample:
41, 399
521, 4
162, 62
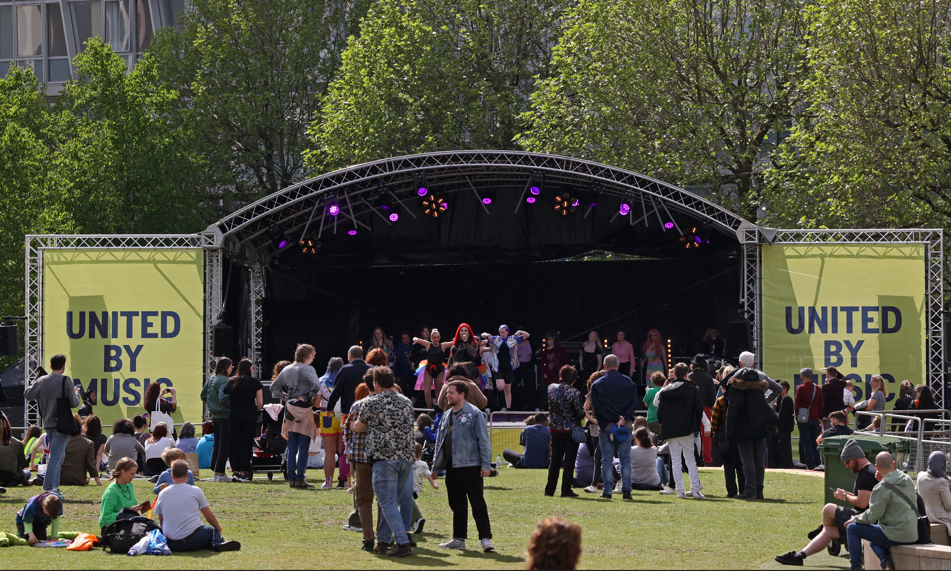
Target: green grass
282, 528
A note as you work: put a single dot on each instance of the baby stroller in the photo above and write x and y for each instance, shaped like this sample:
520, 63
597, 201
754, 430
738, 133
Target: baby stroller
268, 452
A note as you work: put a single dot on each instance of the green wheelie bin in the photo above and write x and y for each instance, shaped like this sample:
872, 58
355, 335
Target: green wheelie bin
839, 476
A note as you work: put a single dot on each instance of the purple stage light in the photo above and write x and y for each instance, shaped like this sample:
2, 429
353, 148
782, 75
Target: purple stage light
698, 240
334, 210
530, 200
422, 191
384, 207
352, 233
282, 245
487, 201
535, 190
592, 205
576, 203
668, 225
625, 208
394, 217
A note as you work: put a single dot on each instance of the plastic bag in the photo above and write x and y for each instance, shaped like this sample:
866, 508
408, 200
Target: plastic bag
153, 543
83, 542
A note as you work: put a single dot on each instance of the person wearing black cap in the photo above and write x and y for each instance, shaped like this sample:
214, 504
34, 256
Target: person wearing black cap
832, 530
708, 396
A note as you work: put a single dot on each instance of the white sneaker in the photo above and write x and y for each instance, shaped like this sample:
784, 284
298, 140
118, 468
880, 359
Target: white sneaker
352, 528
592, 489
617, 488
681, 495
459, 544
700, 487
327, 485
487, 546
668, 491
698, 496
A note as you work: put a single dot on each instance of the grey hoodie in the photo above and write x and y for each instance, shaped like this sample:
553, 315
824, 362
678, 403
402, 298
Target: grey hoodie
46, 390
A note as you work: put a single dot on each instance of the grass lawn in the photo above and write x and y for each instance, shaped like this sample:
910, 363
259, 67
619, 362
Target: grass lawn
282, 528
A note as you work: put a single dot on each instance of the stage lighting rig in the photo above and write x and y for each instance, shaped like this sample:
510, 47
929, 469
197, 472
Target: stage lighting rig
332, 205
433, 205
421, 184
691, 239
625, 208
565, 204
488, 197
308, 244
536, 184
278, 239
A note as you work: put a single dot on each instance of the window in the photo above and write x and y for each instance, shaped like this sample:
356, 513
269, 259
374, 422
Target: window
86, 20
6, 34
143, 25
169, 12
57, 34
29, 31
117, 25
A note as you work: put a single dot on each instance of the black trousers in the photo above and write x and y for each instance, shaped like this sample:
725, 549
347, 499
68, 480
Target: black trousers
784, 445
39, 530
240, 442
733, 472
564, 451
464, 488
219, 453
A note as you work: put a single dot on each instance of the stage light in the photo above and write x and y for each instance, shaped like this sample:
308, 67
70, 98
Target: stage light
387, 203
488, 197
278, 239
394, 216
536, 184
422, 185
333, 207
530, 200
691, 239
625, 208
591, 197
565, 205
668, 225
308, 244
351, 232
433, 205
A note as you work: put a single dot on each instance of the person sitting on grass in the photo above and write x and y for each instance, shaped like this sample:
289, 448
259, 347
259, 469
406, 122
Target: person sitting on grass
179, 509
840, 426
187, 442
40, 513
13, 462
536, 438
832, 530
154, 447
120, 495
555, 544
165, 478
644, 475
123, 443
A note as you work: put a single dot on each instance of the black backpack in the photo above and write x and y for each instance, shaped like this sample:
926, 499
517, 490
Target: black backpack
128, 529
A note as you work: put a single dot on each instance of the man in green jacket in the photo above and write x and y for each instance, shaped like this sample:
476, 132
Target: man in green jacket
891, 517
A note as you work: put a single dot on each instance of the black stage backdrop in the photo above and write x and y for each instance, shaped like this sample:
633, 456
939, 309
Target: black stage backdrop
337, 307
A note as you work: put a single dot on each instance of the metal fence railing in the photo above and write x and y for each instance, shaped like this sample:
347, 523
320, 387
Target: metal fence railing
924, 435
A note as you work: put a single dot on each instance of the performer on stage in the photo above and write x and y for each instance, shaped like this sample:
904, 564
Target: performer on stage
467, 351
432, 370
624, 352
503, 359
713, 343
553, 358
380, 341
654, 356
589, 359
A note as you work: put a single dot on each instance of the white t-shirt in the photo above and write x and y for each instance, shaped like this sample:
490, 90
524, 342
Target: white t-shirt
848, 398
644, 466
155, 449
181, 506
420, 473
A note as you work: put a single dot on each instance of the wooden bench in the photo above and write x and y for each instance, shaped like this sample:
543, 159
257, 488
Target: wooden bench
912, 557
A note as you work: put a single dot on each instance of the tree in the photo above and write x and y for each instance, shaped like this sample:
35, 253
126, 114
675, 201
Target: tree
692, 92
251, 75
874, 149
428, 75
124, 165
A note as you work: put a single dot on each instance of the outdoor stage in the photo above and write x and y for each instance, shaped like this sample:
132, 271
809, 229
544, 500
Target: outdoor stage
329, 259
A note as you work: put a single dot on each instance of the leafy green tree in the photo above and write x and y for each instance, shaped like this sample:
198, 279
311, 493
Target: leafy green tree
693, 92
429, 75
874, 149
251, 75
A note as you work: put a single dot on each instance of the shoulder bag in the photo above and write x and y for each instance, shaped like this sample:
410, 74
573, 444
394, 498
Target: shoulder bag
802, 416
577, 432
65, 422
924, 524
159, 416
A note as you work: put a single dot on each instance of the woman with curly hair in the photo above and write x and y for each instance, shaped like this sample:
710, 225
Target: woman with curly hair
654, 356
555, 544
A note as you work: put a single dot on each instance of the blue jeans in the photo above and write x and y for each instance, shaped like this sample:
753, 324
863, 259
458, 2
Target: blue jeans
393, 486
662, 471
298, 446
608, 448
874, 535
206, 538
57, 455
809, 432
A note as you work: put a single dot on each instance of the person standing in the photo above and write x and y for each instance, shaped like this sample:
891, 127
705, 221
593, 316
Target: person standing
403, 368
833, 391
45, 391
503, 360
348, 379
297, 385
749, 420
713, 343
654, 355
624, 352
590, 357
808, 396
219, 408
434, 365
362, 471
935, 489
700, 376
565, 411
784, 427
680, 413
331, 429
553, 357
614, 400
387, 419
247, 400
729, 453
525, 377
464, 452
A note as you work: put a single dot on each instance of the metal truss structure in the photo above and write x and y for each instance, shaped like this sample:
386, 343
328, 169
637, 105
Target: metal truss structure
755, 238
243, 236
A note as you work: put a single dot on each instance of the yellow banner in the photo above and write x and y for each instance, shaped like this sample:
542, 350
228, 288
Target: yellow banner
126, 319
858, 308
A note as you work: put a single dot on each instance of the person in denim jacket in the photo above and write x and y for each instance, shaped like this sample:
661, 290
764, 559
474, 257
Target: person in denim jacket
463, 451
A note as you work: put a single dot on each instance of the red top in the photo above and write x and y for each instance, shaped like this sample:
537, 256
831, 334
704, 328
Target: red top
804, 395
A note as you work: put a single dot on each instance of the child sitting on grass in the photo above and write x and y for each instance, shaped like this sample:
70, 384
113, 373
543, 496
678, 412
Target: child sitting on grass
165, 478
40, 512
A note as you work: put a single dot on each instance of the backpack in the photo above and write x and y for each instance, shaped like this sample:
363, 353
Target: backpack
128, 529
